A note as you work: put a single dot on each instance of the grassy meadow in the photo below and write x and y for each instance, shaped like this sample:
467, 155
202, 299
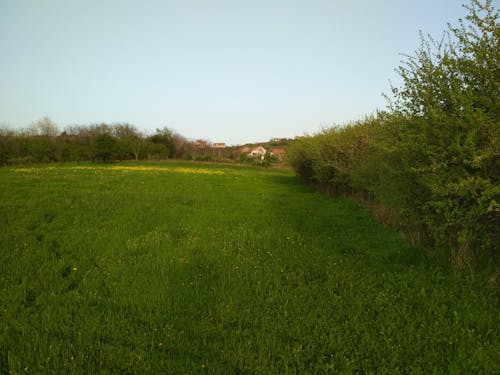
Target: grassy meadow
182, 268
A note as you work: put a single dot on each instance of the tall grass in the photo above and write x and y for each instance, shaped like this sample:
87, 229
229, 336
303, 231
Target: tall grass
182, 268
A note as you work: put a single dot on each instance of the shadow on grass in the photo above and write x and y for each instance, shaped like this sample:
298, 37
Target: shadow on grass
341, 227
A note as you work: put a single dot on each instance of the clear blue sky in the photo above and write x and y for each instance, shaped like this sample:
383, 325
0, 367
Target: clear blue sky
224, 70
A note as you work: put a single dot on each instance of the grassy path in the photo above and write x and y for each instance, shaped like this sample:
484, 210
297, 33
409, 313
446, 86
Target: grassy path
184, 268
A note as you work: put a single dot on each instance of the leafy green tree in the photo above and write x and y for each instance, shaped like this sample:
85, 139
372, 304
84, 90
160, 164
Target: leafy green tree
156, 151
105, 148
165, 137
6, 137
446, 120
41, 149
131, 141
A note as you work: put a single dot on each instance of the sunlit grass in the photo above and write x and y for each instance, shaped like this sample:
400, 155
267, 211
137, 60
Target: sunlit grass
136, 168
187, 268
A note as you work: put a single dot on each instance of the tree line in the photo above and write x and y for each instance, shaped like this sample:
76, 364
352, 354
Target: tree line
44, 142
428, 164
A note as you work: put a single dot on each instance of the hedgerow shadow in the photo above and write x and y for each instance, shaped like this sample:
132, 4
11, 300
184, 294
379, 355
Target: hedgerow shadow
340, 227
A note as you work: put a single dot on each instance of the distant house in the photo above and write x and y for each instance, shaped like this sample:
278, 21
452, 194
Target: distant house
257, 151
219, 145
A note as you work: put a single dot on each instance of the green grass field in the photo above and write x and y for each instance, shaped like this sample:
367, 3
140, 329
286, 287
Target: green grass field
185, 268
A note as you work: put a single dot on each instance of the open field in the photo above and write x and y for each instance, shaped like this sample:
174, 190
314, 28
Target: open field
186, 268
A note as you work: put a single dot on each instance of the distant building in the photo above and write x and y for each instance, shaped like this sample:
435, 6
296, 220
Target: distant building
278, 139
257, 151
219, 145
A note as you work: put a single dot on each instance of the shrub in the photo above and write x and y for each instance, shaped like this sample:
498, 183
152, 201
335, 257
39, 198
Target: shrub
105, 148
433, 158
450, 96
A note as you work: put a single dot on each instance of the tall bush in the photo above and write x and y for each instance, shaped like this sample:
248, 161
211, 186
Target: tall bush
433, 158
450, 98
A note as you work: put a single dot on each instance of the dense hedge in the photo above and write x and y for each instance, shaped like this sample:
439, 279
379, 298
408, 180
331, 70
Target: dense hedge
429, 164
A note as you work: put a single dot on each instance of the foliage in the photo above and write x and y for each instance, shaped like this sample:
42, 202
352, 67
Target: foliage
43, 127
41, 143
185, 268
451, 95
124, 142
329, 157
105, 148
261, 160
164, 137
433, 158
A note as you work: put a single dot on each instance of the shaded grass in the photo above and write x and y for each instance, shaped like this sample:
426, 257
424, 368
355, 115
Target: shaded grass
155, 271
